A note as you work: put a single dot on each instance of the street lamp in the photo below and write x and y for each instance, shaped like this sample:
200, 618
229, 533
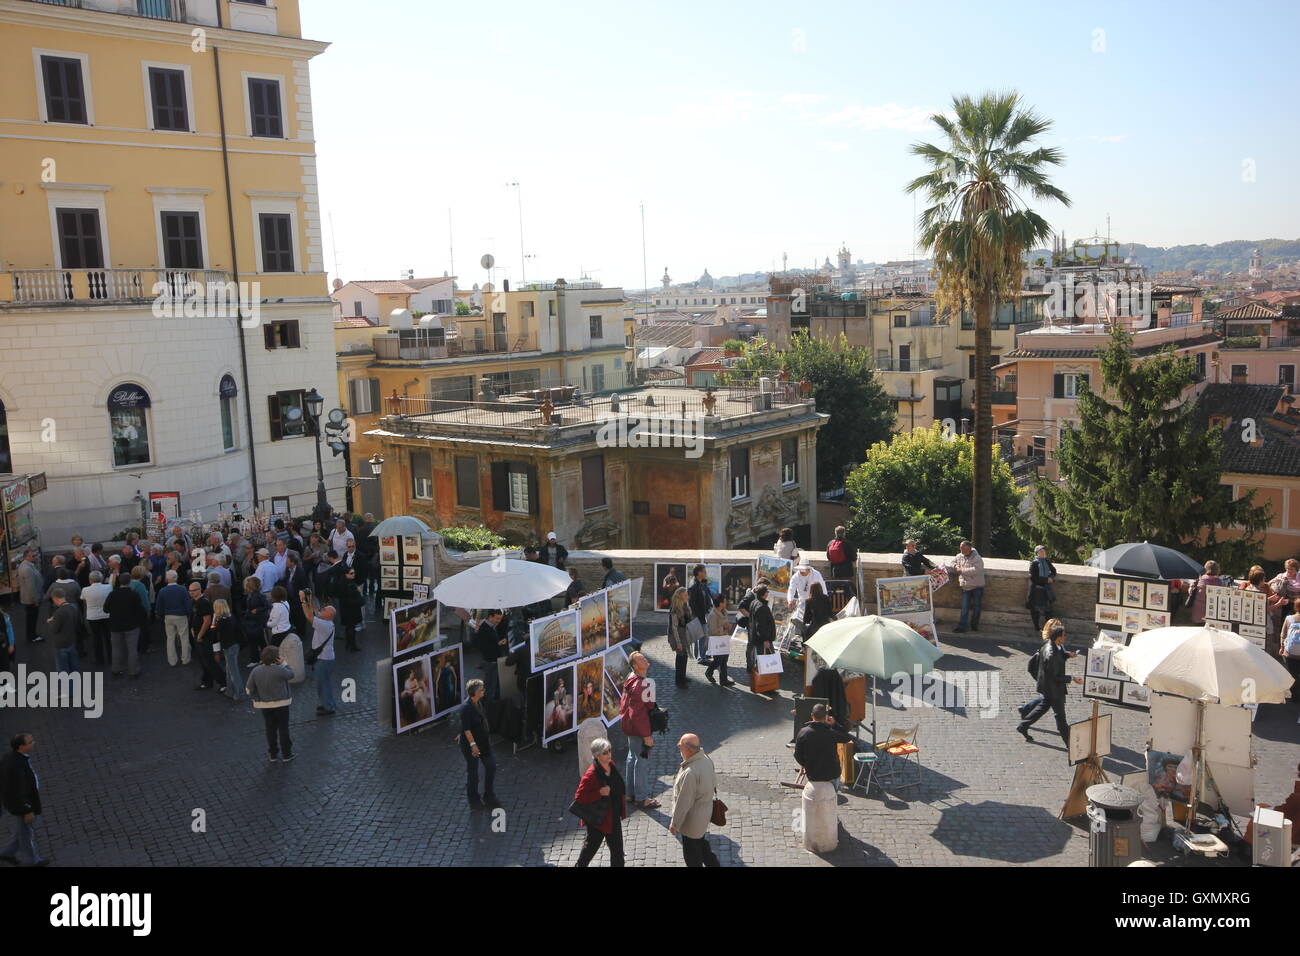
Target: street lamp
376, 465
314, 403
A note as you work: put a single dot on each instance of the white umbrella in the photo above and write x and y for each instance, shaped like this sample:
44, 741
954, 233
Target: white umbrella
400, 524
503, 583
1206, 664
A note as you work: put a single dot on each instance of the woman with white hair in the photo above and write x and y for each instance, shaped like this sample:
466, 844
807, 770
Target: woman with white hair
600, 803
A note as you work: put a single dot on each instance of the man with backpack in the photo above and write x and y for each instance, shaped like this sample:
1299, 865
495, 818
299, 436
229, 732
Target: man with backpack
1048, 668
841, 554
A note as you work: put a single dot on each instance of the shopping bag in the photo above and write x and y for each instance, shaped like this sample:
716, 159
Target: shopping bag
695, 629
719, 645
769, 664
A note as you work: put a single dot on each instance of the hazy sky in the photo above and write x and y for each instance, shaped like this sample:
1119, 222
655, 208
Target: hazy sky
754, 129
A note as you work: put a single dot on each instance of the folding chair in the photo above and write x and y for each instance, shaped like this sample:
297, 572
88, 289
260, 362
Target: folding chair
900, 746
868, 763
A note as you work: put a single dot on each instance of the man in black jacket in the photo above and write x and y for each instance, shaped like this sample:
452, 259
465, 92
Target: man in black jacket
914, 562
815, 748
21, 796
700, 599
1053, 683
841, 554
552, 552
491, 644
762, 627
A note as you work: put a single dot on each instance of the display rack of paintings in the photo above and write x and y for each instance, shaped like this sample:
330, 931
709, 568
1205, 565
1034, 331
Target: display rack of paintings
1125, 606
1242, 612
910, 600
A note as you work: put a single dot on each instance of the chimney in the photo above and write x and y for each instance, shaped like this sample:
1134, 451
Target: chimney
505, 285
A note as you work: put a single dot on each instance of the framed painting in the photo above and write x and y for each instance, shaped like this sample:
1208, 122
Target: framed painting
1109, 615
1134, 593
1108, 590
1101, 688
1157, 596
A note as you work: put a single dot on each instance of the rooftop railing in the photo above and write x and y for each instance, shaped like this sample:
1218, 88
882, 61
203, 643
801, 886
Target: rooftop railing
106, 286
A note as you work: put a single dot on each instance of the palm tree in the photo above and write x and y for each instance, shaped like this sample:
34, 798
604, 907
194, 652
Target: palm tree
977, 229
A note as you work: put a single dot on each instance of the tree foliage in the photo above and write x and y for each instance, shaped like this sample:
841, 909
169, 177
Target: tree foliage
918, 486
1144, 468
471, 538
844, 385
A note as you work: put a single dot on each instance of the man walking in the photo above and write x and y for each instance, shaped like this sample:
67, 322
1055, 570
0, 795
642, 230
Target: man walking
1053, 683
174, 606
31, 587
693, 791
20, 793
969, 568
700, 600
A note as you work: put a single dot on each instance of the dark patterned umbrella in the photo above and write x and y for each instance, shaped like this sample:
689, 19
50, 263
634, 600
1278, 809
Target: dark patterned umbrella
1146, 560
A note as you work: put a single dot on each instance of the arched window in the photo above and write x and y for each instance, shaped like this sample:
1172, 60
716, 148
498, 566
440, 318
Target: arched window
128, 419
227, 392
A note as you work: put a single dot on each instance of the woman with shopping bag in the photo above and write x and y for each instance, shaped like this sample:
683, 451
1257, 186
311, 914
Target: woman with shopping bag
719, 629
762, 633
679, 617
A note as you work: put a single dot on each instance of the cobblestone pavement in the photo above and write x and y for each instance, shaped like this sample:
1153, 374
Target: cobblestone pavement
124, 789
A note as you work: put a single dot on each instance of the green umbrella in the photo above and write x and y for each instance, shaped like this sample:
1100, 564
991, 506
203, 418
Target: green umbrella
876, 646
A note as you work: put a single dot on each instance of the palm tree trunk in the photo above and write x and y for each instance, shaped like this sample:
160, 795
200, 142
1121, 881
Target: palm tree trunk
982, 483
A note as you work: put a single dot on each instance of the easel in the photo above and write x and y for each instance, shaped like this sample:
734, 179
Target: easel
1087, 772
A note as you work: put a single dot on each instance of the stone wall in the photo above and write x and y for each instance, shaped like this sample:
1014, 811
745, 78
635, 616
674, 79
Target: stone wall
1006, 583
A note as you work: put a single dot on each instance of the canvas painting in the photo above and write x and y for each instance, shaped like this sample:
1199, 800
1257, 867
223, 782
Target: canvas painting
1131, 620
1108, 614
908, 595
1135, 694
780, 610
412, 557
713, 573
391, 604
592, 615
413, 626
1217, 625
1154, 619
1081, 738
389, 583
1162, 772
1114, 637
736, 580
388, 552
413, 691
617, 666
554, 639
668, 578
1101, 688
1157, 596
448, 680
1134, 593
609, 702
618, 612
776, 570
557, 708
922, 623
1099, 662
590, 684
1108, 591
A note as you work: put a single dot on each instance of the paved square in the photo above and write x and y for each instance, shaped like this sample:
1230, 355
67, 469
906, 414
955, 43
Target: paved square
125, 789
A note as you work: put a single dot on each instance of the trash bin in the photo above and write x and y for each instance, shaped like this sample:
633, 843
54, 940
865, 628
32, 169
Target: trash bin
1114, 828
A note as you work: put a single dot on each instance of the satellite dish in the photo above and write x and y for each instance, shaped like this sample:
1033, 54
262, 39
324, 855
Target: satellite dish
488, 260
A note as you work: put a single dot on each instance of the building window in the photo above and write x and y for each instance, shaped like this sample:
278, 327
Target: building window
277, 242
227, 391
264, 108
677, 511
65, 94
466, 482
789, 461
1285, 376
1067, 385
640, 507
421, 476
356, 310
1238, 372
593, 482
1200, 366
282, 335
363, 395
598, 377
286, 412
594, 325
167, 96
739, 473
514, 488
900, 321
182, 247
128, 420
453, 388
79, 243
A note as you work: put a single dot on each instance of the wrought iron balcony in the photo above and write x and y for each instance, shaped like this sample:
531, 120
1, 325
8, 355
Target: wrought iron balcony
105, 286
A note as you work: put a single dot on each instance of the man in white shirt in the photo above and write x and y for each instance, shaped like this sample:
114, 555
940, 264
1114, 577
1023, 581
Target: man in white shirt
803, 578
340, 537
969, 568
96, 617
322, 641
277, 622
267, 574
217, 567
281, 556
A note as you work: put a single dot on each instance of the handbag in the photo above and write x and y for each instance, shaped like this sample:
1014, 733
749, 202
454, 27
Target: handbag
695, 629
310, 654
658, 719
592, 813
768, 664
719, 815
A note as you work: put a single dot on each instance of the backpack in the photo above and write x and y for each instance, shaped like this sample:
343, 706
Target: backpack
1292, 644
835, 552
1034, 660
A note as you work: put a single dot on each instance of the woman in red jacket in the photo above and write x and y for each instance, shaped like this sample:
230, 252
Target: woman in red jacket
603, 782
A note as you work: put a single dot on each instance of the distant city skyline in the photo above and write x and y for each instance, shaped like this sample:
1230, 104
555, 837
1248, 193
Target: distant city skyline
786, 130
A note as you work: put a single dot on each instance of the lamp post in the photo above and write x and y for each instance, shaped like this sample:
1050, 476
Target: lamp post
376, 465
315, 403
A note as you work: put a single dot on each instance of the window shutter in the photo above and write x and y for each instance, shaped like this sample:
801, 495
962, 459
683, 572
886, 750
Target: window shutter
374, 395
294, 341
353, 394
500, 486
277, 423
534, 502
268, 333
1058, 386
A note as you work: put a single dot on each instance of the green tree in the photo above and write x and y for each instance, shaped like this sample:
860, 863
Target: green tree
978, 231
844, 385
463, 308
916, 486
1144, 468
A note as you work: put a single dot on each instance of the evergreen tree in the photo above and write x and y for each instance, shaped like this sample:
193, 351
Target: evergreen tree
1144, 468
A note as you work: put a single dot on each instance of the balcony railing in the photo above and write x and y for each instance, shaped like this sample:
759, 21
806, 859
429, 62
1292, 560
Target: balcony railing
909, 365
1285, 342
1002, 397
108, 286
153, 9
392, 346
